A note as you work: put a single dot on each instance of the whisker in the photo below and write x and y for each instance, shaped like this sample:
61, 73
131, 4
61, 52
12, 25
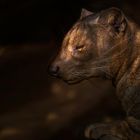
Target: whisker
101, 69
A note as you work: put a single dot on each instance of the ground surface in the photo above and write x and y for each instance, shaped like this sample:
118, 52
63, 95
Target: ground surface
35, 106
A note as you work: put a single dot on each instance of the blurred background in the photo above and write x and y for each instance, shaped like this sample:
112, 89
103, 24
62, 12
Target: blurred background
33, 105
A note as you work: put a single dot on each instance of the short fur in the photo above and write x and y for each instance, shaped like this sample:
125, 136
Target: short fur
106, 44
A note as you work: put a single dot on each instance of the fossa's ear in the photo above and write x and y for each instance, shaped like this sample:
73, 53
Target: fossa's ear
85, 13
115, 18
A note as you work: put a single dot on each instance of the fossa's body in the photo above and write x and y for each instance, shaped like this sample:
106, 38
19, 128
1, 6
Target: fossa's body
105, 44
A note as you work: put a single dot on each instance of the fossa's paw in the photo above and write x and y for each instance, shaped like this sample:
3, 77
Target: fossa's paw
109, 137
106, 132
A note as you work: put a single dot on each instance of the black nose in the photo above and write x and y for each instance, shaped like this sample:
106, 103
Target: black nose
54, 70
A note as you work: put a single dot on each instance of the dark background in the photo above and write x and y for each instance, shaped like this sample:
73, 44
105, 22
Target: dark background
33, 105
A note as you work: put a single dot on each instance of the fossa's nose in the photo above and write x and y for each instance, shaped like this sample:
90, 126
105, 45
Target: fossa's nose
54, 70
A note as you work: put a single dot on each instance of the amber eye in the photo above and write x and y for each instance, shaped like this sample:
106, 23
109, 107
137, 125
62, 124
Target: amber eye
79, 48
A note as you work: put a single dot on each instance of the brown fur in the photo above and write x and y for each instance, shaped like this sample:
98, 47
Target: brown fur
106, 44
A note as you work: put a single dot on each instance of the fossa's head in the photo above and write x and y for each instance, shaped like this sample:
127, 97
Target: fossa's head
90, 38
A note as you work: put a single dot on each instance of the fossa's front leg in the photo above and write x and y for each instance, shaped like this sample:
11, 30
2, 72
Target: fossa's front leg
121, 130
114, 131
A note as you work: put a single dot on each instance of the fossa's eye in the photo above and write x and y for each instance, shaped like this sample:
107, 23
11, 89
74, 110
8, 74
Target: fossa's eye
80, 48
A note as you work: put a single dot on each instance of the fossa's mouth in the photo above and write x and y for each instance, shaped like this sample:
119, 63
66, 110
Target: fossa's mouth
73, 81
